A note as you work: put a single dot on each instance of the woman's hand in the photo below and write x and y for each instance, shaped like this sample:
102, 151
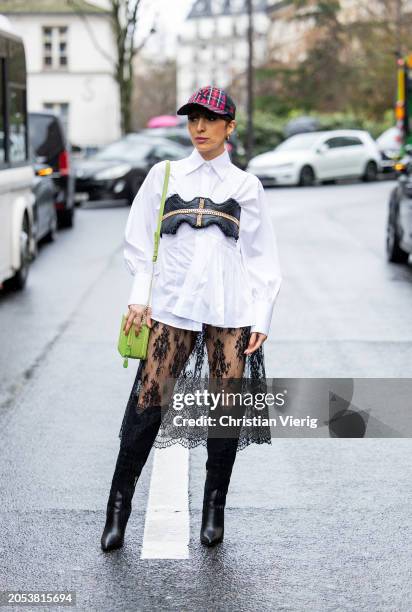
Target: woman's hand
255, 341
135, 314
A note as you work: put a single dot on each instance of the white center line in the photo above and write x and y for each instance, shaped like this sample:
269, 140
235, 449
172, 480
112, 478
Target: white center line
167, 525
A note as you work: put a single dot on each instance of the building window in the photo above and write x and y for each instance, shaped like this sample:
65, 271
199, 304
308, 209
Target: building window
55, 47
238, 6
61, 109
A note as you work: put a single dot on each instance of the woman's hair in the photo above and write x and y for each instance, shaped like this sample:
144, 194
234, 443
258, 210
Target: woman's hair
208, 113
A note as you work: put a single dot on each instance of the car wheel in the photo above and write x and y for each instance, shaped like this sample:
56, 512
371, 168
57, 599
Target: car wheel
18, 281
306, 176
65, 218
394, 252
371, 172
52, 233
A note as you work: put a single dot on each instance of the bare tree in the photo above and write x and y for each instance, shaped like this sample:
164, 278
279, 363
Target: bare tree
124, 16
158, 82
351, 64
323, 79
381, 32
124, 21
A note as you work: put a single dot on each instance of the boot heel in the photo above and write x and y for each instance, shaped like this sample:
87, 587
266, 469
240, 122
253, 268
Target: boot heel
213, 518
116, 522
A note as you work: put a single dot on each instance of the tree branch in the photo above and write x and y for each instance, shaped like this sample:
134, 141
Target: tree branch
93, 38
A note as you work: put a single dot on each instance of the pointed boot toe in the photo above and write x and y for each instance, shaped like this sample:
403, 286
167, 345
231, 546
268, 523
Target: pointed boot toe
211, 537
212, 529
116, 522
111, 540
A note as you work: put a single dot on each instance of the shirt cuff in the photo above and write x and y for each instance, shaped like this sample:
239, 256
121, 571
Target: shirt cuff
263, 317
140, 288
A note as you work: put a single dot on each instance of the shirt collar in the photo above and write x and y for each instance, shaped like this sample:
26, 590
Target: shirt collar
220, 164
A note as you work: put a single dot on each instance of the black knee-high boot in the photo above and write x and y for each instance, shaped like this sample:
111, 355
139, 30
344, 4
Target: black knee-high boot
139, 432
221, 457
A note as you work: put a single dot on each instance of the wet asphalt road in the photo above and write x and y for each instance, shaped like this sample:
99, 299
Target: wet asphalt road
311, 524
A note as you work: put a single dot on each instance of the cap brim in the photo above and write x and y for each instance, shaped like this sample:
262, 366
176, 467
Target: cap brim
187, 108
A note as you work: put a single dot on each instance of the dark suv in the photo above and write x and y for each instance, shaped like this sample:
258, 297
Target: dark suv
399, 222
49, 146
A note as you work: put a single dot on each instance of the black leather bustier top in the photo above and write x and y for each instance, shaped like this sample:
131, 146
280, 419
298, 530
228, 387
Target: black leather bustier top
201, 212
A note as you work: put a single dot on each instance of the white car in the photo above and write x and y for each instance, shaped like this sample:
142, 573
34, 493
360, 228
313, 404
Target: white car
389, 144
306, 158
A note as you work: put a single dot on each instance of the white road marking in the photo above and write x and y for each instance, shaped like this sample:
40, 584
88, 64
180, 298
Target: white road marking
167, 524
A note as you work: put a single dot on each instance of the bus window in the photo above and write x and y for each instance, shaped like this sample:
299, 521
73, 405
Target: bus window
2, 141
17, 130
17, 64
17, 103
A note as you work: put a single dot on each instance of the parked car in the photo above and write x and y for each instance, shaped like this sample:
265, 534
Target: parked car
50, 147
322, 156
181, 135
44, 210
389, 145
399, 220
17, 243
77, 152
117, 170
175, 133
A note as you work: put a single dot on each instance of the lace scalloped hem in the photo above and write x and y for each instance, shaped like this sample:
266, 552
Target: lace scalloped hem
183, 362
162, 442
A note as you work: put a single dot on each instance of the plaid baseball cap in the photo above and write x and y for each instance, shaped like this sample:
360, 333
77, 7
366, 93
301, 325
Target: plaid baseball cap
212, 98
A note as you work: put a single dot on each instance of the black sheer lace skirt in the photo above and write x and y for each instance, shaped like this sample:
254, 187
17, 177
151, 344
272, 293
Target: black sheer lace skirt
183, 364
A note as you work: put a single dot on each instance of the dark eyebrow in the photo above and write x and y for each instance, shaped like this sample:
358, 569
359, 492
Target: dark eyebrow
206, 114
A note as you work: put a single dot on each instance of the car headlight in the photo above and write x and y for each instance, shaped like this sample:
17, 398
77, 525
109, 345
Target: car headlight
113, 173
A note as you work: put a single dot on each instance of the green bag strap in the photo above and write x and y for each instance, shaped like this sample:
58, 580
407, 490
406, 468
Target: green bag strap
162, 205
157, 232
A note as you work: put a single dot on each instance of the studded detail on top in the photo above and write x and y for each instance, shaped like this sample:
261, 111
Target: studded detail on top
201, 212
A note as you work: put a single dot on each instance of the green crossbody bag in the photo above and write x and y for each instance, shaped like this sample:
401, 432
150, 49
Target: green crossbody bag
132, 346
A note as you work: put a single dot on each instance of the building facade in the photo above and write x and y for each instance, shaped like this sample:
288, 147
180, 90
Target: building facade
69, 47
212, 48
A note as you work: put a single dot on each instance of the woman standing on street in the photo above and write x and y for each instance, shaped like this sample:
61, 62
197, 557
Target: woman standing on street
213, 295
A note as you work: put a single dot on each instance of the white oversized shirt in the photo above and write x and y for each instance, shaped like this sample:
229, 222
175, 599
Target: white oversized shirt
202, 275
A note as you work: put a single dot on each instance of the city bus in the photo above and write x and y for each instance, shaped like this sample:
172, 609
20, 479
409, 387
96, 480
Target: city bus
17, 242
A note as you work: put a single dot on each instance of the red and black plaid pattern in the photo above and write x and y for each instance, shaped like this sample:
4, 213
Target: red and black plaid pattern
212, 98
